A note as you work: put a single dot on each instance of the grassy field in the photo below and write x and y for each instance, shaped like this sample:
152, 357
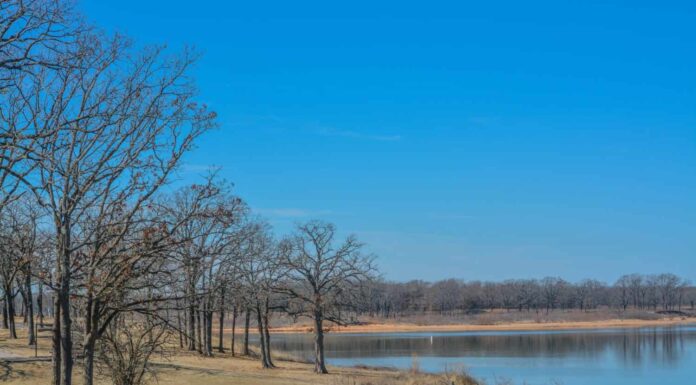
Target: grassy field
184, 368
241, 371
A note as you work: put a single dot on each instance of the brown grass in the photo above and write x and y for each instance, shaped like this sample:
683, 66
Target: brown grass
184, 368
500, 320
238, 372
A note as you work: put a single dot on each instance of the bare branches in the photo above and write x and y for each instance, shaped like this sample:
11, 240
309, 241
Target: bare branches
323, 280
36, 33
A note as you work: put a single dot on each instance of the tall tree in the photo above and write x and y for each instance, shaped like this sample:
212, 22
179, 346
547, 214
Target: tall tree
323, 278
118, 123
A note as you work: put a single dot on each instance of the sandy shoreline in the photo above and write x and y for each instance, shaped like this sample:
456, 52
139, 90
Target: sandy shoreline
516, 326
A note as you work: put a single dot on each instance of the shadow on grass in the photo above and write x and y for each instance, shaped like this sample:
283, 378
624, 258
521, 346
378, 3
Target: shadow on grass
7, 372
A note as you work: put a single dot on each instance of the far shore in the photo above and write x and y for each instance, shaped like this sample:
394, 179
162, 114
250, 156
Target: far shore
515, 326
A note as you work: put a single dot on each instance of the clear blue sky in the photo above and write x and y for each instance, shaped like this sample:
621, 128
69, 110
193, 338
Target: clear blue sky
485, 141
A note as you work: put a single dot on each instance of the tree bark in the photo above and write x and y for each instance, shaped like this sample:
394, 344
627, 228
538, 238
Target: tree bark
39, 304
267, 334
88, 360
262, 338
246, 332
179, 326
199, 332
234, 328
192, 326
9, 305
221, 316
64, 301
5, 324
30, 305
209, 330
55, 355
319, 365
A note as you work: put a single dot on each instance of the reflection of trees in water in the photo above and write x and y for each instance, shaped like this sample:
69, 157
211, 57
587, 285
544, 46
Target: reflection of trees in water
663, 346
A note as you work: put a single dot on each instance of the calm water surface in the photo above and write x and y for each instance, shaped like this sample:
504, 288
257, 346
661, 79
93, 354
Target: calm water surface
664, 355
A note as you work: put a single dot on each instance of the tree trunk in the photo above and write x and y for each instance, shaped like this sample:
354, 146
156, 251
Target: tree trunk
262, 338
267, 334
64, 301
192, 326
39, 304
221, 316
9, 301
5, 323
29, 305
199, 333
209, 330
55, 355
246, 332
319, 365
88, 360
234, 328
179, 326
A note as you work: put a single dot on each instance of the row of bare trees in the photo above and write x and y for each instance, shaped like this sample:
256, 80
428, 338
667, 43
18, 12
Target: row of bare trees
92, 131
665, 292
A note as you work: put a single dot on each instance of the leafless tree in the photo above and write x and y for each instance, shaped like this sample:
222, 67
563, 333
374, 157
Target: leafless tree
323, 278
261, 268
128, 346
623, 291
18, 244
124, 121
204, 256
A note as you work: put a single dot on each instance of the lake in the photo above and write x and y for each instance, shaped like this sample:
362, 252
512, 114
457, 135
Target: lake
664, 355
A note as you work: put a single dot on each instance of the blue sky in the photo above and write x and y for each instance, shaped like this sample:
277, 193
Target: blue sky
479, 141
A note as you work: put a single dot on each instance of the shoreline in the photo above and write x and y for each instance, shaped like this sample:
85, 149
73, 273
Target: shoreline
514, 326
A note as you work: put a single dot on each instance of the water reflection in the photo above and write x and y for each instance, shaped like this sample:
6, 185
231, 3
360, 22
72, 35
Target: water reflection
628, 347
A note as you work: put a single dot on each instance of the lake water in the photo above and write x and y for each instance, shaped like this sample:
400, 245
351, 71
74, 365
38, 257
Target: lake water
665, 355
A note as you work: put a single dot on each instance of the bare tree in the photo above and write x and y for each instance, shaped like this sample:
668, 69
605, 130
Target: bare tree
323, 278
260, 270
124, 121
18, 244
126, 351
623, 293
203, 251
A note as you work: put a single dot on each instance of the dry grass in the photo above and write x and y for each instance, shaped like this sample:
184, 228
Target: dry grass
239, 371
184, 368
510, 320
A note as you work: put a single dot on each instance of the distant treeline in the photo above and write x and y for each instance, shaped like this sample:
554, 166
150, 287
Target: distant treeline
666, 292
